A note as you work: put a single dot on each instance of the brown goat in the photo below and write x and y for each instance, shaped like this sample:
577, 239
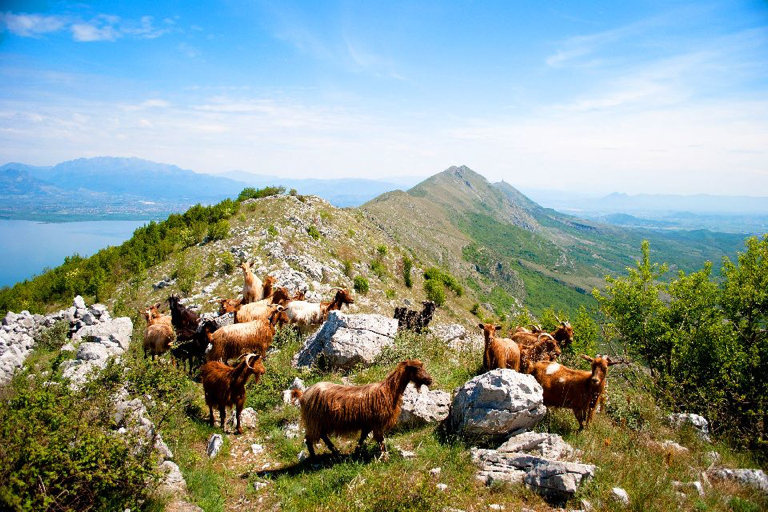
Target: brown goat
252, 286
563, 334
224, 385
499, 352
545, 349
262, 308
231, 341
158, 338
153, 316
577, 390
328, 408
267, 290
229, 305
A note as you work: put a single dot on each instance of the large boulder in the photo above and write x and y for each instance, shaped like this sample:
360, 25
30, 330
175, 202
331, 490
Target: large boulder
497, 404
457, 337
754, 478
698, 422
345, 341
421, 407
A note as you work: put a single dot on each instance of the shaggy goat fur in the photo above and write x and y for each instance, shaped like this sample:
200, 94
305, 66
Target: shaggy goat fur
544, 350
577, 390
267, 290
153, 316
413, 320
158, 338
499, 352
328, 408
224, 385
252, 286
260, 309
185, 321
229, 306
231, 341
563, 334
303, 313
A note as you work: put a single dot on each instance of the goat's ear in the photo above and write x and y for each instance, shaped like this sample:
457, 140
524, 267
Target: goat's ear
158, 305
481, 326
498, 327
586, 357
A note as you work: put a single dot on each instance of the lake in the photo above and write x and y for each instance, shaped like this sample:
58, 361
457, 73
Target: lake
28, 247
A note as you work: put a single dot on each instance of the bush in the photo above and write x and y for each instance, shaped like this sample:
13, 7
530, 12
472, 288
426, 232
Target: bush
378, 268
313, 232
381, 251
272, 230
54, 337
228, 263
361, 285
218, 231
347, 268
185, 274
254, 193
407, 267
475, 309
435, 291
390, 293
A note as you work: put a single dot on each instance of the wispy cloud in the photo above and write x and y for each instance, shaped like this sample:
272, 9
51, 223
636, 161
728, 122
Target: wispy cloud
104, 27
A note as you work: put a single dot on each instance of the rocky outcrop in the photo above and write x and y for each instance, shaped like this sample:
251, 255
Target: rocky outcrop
345, 341
496, 404
457, 337
753, 478
538, 460
700, 423
421, 407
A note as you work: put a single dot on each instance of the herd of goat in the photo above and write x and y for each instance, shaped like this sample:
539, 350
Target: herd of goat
328, 408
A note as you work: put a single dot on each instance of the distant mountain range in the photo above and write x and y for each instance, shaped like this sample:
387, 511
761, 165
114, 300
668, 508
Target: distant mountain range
108, 187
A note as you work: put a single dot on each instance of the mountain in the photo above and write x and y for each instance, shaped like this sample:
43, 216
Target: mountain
510, 249
19, 182
339, 192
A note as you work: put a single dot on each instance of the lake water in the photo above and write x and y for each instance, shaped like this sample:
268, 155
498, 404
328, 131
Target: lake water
28, 247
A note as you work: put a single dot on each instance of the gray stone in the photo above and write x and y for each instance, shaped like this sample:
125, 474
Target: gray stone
345, 341
98, 310
674, 447
496, 404
457, 337
699, 423
95, 352
89, 318
548, 446
9, 318
423, 407
620, 496
79, 302
754, 478
297, 384
214, 445
173, 481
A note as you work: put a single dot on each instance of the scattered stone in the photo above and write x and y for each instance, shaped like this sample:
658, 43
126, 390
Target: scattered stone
214, 445
586, 505
173, 482
260, 485
257, 449
495, 506
421, 407
712, 456
181, 506
442, 487
696, 485
754, 478
297, 384
674, 447
620, 496
457, 337
291, 430
699, 423
345, 341
548, 446
79, 302
302, 456
435, 471
496, 404
406, 454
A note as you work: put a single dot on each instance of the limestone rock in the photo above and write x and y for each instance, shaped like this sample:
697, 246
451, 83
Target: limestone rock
423, 407
620, 496
345, 340
699, 422
214, 445
496, 404
754, 478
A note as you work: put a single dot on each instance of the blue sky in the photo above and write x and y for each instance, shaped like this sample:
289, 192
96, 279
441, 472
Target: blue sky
667, 97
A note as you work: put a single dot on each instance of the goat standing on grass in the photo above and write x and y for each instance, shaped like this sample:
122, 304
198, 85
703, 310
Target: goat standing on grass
158, 335
413, 320
231, 341
303, 313
577, 390
261, 308
563, 335
499, 352
185, 321
328, 408
224, 385
253, 289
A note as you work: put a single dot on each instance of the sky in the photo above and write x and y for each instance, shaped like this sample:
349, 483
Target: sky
594, 97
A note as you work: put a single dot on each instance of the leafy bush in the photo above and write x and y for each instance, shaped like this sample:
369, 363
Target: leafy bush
450, 282
272, 230
218, 231
475, 309
293, 192
227, 263
381, 251
407, 267
435, 291
361, 285
390, 293
54, 337
378, 268
347, 268
186, 273
313, 232
254, 193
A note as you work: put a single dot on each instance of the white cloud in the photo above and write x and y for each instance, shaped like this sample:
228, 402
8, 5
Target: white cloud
31, 25
86, 32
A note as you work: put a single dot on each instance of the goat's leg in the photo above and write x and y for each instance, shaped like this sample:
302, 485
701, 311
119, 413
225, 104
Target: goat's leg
210, 419
222, 415
378, 436
580, 416
363, 436
239, 410
310, 446
329, 444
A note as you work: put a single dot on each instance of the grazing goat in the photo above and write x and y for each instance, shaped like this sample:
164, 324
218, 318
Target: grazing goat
158, 338
184, 320
260, 309
328, 408
563, 334
229, 306
252, 286
499, 352
224, 385
267, 290
231, 341
545, 349
153, 316
303, 313
413, 320
577, 390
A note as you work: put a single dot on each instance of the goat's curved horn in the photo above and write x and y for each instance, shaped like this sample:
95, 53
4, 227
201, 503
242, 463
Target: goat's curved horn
587, 358
337, 288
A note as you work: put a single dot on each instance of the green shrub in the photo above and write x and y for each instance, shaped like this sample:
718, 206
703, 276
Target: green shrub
390, 293
475, 309
347, 268
313, 232
272, 230
228, 263
219, 230
54, 337
186, 273
254, 193
435, 291
361, 285
407, 267
378, 268
293, 192
450, 282
325, 215
381, 251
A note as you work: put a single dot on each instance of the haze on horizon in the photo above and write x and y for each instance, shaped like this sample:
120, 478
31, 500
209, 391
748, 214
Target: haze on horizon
657, 97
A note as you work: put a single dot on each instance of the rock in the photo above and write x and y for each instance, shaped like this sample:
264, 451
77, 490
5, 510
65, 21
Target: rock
345, 341
297, 384
548, 446
260, 485
712, 456
164, 283
98, 310
95, 352
423, 407
674, 447
257, 448
552, 478
302, 456
457, 337
79, 302
495, 404
693, 485
89, 318
291, 430
173, 482
214, 445
406, 454
435, 471
182, 506
754, 478
620, 496
442, 487
9, 318
699, 423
